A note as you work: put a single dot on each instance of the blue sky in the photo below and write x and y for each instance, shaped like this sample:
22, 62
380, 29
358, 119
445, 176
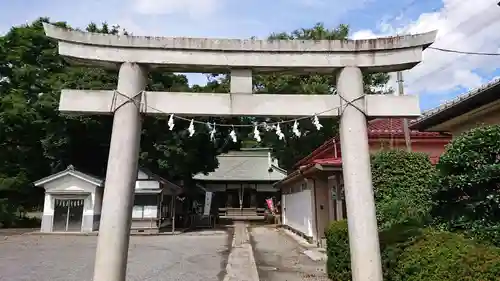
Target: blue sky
465, 25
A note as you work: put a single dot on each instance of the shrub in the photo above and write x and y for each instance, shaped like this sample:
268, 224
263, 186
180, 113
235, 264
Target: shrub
25, 222
468, 198
392, 243
403, 183
404, 186
446, 256
338, 263
409, 253
7, 214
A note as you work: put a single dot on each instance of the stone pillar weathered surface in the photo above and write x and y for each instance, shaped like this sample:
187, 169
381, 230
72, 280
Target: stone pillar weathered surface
241, 81
363, 234
121, 174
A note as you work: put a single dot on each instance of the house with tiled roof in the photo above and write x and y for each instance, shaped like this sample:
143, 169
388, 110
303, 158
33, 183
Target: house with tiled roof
312, 195
477, 107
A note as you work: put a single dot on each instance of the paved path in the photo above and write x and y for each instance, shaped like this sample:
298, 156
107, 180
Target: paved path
280, 258
259, 253
241, 263
192, 257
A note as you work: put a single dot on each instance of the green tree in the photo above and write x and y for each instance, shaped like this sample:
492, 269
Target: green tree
469, 177
293, 149
38, 140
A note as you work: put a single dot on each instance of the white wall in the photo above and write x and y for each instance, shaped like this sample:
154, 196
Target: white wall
48, 205
148, 184
142, 176
72, 186
298, 212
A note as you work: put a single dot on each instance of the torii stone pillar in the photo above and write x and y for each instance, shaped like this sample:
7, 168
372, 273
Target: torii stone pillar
121, 175
360, 203
349, 58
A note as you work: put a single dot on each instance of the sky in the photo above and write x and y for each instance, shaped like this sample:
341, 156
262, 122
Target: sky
463, 25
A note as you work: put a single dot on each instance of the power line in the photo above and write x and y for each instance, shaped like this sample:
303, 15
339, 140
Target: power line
485, 21
463, 52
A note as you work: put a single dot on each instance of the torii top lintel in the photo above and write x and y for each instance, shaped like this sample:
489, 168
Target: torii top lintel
218, 55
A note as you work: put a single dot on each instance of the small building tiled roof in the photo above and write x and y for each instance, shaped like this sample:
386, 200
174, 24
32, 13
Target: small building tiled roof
70, 171
245, 165
394, 127
377, 128
462, 104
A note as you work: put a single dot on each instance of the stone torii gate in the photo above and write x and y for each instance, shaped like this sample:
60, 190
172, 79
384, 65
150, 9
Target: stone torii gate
134, 55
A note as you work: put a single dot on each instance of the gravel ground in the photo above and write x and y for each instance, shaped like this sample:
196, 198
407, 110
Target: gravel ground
280, 258
151, 258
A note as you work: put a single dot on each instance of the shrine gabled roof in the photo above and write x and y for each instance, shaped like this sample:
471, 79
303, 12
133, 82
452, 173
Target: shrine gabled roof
245, 165
72, 172
462, 104
377, 128
170, 185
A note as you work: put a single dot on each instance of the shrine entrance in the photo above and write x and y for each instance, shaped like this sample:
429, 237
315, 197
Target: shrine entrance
68, 215
241, 59
240, 194
248, 197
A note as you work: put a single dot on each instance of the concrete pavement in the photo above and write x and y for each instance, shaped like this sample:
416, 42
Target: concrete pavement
242, 253
281, 258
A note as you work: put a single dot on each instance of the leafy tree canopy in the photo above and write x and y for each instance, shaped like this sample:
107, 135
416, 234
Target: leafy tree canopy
38, 140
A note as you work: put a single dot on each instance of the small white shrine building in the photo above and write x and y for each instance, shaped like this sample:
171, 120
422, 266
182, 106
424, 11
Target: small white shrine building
73, 202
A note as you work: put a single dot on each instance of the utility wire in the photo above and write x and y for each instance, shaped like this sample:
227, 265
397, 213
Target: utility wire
463, 52
458, 52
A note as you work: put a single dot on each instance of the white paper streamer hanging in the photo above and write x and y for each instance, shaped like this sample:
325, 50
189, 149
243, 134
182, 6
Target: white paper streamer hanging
295, 129
171, 122
212, 132
266, 127
233, 135
191, 128
256, 133
279, 133
316, 123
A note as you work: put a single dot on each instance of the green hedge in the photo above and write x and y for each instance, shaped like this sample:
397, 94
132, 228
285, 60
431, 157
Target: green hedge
404, 183
410, 254
447, 256
393, 241
468, 200
338, 264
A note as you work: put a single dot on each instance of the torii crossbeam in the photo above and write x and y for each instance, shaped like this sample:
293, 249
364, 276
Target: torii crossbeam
133, 56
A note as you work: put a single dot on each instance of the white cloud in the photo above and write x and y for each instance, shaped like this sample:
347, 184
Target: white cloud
192, 8
462, 25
